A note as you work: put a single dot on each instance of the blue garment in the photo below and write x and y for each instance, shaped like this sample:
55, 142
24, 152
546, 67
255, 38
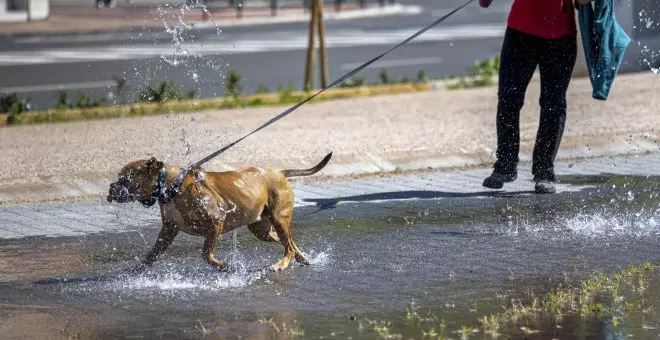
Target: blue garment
604, 44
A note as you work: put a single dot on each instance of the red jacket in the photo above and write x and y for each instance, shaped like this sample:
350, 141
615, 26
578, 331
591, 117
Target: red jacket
543, 18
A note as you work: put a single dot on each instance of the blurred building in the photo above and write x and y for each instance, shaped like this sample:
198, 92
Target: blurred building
23, 10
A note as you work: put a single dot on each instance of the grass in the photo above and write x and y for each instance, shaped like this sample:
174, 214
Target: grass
282, 329
203, 330
284, 97
166, 97
610, 297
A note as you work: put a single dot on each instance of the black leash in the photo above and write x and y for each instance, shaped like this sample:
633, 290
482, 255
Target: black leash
333, 84
172, 191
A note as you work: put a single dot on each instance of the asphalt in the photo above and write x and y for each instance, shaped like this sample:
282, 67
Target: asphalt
39, 65
376, 245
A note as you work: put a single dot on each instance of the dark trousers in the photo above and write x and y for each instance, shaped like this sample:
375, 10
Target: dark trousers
521, 53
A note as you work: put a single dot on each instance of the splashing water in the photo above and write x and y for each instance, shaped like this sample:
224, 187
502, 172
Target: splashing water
186, 145
180, 25
320, 258
651, 57
181, 278
645, 19
590, 226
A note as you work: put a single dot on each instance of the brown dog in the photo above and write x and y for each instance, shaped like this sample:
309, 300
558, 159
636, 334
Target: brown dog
212, 203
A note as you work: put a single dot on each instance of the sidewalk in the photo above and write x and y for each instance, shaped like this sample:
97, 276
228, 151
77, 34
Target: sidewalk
437, 129
71, 18
97, 217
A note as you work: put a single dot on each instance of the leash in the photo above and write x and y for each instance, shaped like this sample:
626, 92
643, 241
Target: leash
333, 84
170, 192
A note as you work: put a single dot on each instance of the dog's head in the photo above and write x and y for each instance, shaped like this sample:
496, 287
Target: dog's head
136, 182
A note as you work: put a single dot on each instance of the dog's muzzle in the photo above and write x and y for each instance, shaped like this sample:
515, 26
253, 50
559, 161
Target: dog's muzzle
119, 193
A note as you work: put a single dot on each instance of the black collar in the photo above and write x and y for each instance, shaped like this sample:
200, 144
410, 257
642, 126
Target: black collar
161, 192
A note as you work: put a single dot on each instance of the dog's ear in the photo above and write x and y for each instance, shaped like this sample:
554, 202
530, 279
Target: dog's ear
154, 165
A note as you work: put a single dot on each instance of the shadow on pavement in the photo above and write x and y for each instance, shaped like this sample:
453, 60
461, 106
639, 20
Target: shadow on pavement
329, 203
96, 278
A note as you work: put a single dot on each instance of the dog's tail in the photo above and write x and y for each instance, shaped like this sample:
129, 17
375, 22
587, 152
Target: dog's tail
310, 171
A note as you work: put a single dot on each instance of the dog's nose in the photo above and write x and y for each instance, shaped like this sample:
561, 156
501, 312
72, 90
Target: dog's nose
111, 192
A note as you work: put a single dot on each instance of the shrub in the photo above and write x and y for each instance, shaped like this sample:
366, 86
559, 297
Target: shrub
163, 92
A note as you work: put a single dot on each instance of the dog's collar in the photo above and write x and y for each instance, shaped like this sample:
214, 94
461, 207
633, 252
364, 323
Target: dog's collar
161, 192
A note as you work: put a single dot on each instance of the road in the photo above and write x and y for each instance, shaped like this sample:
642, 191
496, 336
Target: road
39, 66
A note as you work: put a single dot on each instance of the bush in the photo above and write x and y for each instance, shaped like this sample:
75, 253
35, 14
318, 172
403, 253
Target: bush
233, 87
384, 77
163, 92
82, 101
14, 105
121, 89
261, 88
354, 82
421, 75
12, 102
483, 71
286, 93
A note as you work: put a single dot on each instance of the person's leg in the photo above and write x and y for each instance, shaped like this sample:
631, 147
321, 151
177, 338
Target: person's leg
519, 58
556, 67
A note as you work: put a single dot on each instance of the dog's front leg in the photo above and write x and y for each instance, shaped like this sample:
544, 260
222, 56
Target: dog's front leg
165, 238
210, 243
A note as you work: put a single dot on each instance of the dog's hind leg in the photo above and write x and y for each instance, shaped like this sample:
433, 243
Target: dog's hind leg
264, 230
210, 243
281, 219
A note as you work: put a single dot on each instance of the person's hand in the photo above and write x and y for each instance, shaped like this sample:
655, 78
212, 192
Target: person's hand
485, 3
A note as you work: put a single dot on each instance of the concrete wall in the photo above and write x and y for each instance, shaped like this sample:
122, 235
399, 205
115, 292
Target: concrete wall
641, 20
17, 10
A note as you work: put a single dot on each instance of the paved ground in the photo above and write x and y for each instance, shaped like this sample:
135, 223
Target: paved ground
436, 129
455, 250
58, 220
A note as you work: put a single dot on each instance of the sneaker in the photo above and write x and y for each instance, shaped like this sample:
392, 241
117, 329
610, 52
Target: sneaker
544, 187
496, 180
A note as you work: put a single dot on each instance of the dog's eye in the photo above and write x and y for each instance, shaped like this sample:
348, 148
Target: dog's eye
124, 178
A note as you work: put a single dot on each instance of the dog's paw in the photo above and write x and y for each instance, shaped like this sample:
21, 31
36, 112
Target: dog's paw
280, 265
225, 269
137, 269
276, 268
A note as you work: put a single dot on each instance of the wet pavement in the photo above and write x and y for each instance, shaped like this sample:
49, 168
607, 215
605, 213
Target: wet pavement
376, 245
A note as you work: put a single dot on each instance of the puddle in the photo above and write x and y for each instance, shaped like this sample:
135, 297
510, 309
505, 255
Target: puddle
460, 258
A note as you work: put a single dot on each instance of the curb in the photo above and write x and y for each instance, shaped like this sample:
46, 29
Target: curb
396, 9
390, 10
94, 187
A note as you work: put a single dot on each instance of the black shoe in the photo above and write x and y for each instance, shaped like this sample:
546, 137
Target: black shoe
544, 187
496, 180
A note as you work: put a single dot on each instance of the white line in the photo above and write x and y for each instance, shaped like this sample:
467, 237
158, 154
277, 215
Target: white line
396, 63
333, 40
82, 38
63, 86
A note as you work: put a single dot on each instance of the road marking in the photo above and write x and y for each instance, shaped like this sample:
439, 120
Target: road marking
86, 38
396, 63
62, 86
353, 38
